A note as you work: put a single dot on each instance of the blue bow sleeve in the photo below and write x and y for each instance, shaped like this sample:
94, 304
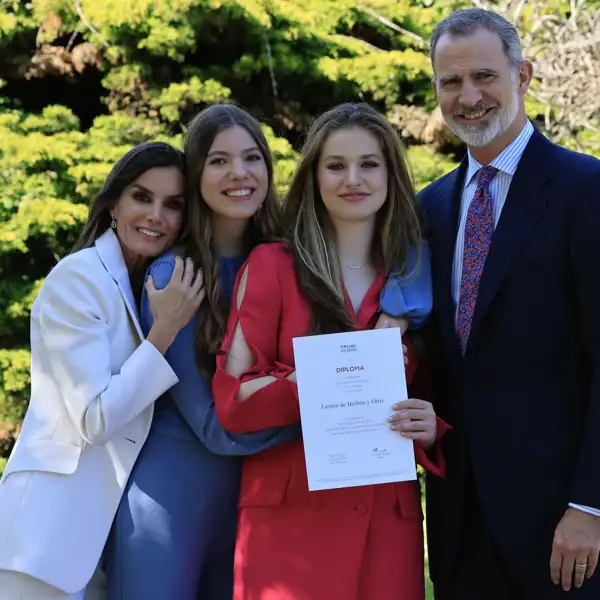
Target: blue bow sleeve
410, 295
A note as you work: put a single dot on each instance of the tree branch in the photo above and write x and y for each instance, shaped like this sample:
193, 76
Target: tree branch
384, 21
87, 23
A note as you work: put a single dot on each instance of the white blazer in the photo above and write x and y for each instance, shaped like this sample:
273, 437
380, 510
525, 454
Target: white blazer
93, 384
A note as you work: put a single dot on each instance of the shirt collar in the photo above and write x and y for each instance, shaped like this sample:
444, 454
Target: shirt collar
508, 160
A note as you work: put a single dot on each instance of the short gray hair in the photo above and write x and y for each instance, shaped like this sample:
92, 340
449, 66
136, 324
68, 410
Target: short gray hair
467, 22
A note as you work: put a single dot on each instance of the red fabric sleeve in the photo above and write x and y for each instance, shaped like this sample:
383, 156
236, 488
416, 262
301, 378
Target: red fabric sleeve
259, 316
418, 378
434, 460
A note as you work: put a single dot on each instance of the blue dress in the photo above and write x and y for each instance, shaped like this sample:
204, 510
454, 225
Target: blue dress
174, 533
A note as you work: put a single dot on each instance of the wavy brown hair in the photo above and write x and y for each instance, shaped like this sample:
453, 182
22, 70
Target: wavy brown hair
198, 235
311, 237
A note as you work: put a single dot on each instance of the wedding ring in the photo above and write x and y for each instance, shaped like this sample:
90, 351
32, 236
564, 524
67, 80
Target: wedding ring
584, 566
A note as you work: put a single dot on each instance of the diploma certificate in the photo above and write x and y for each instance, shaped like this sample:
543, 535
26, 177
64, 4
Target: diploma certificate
347, 385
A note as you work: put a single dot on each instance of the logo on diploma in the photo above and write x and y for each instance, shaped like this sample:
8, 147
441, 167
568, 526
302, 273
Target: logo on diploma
348, 348
380, 452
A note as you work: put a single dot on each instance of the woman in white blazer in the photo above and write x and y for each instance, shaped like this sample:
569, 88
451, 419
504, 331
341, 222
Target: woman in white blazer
94, 379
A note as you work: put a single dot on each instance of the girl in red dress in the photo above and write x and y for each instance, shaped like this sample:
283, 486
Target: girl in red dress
353, 214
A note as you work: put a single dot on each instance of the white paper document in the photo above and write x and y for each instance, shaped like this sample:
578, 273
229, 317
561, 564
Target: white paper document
347, 385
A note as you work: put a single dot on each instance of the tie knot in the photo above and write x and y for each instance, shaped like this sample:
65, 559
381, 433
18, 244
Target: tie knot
485, 175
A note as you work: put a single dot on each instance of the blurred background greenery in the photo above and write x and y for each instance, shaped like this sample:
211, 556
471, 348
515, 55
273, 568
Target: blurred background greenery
81, 81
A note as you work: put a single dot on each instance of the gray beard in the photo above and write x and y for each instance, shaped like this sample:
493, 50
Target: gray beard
480, 135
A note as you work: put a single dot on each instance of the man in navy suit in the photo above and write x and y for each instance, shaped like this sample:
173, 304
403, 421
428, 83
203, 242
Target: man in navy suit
514, 234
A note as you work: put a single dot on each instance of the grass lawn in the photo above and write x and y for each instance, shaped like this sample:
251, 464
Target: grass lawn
428, 587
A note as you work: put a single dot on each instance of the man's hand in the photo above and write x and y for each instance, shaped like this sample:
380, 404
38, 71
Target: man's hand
575, 549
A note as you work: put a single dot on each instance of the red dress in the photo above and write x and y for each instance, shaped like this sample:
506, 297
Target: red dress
360, 543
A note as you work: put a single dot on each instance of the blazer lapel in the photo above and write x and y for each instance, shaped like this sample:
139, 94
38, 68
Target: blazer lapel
525, 205
443, 287
124, 285
109, 251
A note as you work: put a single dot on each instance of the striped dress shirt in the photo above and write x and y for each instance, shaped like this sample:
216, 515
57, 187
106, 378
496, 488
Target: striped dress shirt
506, 162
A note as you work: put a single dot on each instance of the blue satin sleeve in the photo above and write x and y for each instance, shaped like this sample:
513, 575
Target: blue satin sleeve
410, 295
193, 396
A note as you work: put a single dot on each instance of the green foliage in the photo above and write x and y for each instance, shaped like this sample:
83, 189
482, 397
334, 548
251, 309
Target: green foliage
584, 141
118, 131
17, 296
8, 24
284, 158
427, 165
181, 96
379, 74
14, 20
54, 119
155, 63
14, 384
47, 218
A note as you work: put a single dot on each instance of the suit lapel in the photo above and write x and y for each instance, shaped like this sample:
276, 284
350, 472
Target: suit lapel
109, 251
452, 193
523, 209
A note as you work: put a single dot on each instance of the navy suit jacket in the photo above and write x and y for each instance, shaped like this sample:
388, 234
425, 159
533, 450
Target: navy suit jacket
524, 401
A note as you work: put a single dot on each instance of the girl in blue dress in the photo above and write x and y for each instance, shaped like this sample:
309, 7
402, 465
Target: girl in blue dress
174, 534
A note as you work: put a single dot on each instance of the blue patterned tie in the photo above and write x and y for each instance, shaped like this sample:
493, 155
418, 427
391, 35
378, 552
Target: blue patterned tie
478, 236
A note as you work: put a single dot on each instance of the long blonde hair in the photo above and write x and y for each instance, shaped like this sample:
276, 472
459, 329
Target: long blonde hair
310, 233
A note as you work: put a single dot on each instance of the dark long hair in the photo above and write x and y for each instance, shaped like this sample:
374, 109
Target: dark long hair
198, 238
128, 168
311, 238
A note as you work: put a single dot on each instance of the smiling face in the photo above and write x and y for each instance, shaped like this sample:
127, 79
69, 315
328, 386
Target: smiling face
479, 91
352, 174
149, 214
234, 181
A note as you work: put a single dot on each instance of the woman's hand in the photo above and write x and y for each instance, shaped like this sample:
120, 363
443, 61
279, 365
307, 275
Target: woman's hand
415, 420
387, 322
174, 306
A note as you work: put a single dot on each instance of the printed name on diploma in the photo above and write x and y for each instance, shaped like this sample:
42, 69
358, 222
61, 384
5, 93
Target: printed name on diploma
351, 403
